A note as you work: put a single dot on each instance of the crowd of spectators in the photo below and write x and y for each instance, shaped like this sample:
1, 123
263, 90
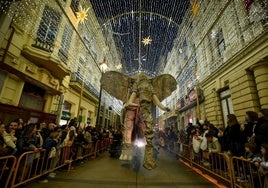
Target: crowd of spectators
233, 138
247, 140
17, 137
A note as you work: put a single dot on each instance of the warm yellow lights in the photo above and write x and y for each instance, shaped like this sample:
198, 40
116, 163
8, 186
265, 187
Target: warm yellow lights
119, 66
147, 41
195, 8
103, 66
82, 14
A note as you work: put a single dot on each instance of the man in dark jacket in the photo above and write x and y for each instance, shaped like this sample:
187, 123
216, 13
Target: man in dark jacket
261, 129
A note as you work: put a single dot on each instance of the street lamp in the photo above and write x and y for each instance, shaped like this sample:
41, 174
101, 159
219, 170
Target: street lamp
103, 68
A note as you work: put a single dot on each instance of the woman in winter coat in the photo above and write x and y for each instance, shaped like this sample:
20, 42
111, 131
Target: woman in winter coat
232, 137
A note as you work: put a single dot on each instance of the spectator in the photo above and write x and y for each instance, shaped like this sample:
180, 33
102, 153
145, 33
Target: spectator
67, 144
73, 122
27, 142
204, 145
249, 151
200, 124
244, 169
197, 139
232, 137
189, 130
64, 131
3, 149
52, 145
81, 143
220, 135
20, 123
213, 130
251, 120
10, 140
45, 131
68, 141
213, 145
262, 163
41, 126
261, 129
87, 133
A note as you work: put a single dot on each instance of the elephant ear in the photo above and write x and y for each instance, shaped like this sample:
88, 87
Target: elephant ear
116, 84
164, 85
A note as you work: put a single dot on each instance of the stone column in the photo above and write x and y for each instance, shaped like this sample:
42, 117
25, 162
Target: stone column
260, 71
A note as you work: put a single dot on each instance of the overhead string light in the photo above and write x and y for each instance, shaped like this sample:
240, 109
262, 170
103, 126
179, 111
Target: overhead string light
26, 14
182, 38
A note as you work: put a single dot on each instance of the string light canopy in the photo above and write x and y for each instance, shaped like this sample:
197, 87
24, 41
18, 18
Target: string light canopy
144, 31
196, 35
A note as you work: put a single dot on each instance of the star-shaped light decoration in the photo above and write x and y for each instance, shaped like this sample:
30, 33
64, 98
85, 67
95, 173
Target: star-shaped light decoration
147, 41
119, 66
195, 8
82, 14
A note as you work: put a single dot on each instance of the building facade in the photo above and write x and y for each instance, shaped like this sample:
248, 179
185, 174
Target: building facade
223, 60
50, 61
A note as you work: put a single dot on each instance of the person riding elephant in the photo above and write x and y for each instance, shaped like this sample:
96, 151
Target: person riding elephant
142, 92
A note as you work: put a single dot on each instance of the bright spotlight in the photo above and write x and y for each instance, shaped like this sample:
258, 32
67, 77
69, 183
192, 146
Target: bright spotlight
140, 143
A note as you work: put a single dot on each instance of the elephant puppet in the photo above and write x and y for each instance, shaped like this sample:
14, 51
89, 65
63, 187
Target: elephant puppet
139, 93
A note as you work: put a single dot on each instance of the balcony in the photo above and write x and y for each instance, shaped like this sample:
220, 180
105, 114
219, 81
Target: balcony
40, 54
76, 82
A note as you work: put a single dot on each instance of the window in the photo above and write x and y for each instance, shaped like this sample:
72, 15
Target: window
3, 76
67, 106
74, 6
65, 43
220, 43
66, 113
226, 104
48, 28
32, 97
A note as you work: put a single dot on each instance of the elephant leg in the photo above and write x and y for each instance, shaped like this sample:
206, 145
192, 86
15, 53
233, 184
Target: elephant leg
149, 159
126, 153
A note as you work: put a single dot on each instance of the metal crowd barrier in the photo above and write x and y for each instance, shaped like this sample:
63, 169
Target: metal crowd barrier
32, 165
229, 171
216, 165
246, 174
101, 145
7, 166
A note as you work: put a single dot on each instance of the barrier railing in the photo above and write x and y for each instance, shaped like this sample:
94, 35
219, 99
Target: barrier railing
216, 165
101, 145
7, 166
229, 171
87, 150
32, 165
29, 166
185, 152
232, 172
246, 174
